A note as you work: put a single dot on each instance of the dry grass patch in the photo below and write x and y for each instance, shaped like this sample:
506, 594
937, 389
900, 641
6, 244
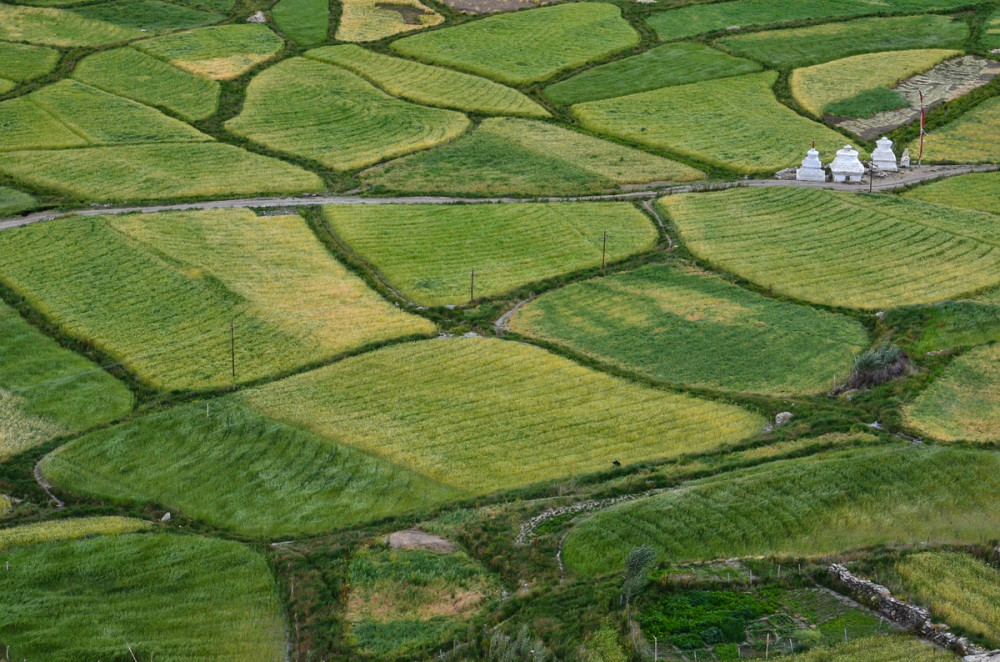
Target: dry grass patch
369, 20
219, 52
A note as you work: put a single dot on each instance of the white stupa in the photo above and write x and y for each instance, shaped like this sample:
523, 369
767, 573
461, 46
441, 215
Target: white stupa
812, 168
883, 157
846, 167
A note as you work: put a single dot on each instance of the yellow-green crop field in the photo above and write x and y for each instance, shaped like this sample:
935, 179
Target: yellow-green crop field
731, 122
528, 46
303, 21
150, 16
370, 20
57, 27
68, 529
158, 293
977, 190
841, 249
170, 597
685, 326
991, 33
818, 86
429, 251
428, 85
13, 201
508, 156
889, 648
329, 115
964, 402
21, 62
220, 52
958, 589
972, 138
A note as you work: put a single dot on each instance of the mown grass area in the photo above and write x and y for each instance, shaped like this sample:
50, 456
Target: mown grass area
304, 21
158, 293
428, 85
220, 52
223, 463
13, 201
371, 20
663, 66
735, 123
801, 47
149, 15
958, 588
429, 251
528, 46
686, 326
61, 530
841, 249
403, 601
507, 156
171, 597
962, 404
156, 172
21, 62
890, 648
329, 115
816, 88
972, 138
58, 27
143, 78
816, 505
47, 390
977, 190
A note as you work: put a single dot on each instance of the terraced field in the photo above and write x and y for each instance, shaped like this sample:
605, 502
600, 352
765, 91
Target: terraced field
991, 32
821, 85
506, 156
46, 390
841, 249
431, 86
972, 138
429, 251
962, 403
733, 122
974, 191
663, 66
304, 21
219, 52
21, 62
685, 326
329, 115
815, 505
57, 27
218, 597
158, 292
528, 46
148, 15
801, 47
143, 78
13, 201
370, 20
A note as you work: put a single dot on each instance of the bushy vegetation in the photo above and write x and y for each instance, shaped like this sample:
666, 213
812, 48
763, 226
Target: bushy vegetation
370, 20
824, 88
13, 201
68, 529
663, 66
733, 122
523, 47
304, 21
429, 251
699, 618
801, 47
972, 138
143, 78
973, 191
57, 27
878, 365
329, 115
84, 599
158, 293
838, 248
685, 326
148, 15
962, 403
507, 156
428, 85
816, 505
220, 52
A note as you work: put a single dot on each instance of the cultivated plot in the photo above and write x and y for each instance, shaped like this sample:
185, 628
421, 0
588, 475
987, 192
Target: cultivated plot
816, 505
218, 597
733, 122
220, 52
58, 27
685, 326
841, 249
150, 16
973, 138
506, 156
974, 191
13, 201
663, 66
69, 529
801, 47
21, 62
428, 85
991, 32
304, 21
369, 20
526, 46
329, 115
46, 390
429, 251
964, 402
159, 292
888, 648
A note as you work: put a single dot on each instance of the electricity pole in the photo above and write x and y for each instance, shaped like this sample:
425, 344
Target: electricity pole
472, 286
604, 249
232, 345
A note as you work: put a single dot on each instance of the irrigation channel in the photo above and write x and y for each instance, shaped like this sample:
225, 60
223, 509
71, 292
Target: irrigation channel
913, 176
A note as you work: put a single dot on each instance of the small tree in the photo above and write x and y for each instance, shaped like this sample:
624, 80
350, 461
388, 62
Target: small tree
637, 565
523, 648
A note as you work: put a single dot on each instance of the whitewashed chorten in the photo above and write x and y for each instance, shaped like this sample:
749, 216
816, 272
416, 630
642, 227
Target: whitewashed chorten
847, 167
883, 157
812, 168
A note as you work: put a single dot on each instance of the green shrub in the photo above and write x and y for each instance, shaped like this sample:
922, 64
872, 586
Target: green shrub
877, 366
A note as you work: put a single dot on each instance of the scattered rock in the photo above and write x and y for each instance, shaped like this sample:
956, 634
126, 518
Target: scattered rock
880, 314
165, 518
471, 334
417, 539
787, 173
876, 426
257, 18
992, 656
782, 418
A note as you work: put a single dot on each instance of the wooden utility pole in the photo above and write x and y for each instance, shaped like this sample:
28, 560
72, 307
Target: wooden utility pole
472, 286
604, 250
232, 345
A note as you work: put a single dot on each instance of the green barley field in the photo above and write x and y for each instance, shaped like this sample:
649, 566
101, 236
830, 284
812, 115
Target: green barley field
148, 15
685, 326
304, 21
974, 191
220, 52
13, 201
67, 528
841, 249
21, 62
429, 251
890, 648
49, 26
971, 138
